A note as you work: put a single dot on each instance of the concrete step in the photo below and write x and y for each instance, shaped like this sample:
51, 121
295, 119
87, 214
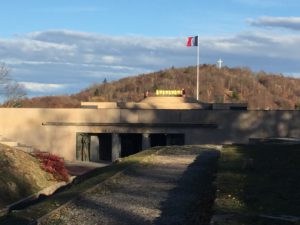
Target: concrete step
169, 99
10, 143
3, 138
27, 149
15, 144
131, 105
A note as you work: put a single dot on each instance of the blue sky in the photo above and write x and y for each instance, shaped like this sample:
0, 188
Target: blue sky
57, 47
139, 17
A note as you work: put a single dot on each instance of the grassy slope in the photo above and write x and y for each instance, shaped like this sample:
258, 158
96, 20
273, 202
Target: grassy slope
20, 175
255, 180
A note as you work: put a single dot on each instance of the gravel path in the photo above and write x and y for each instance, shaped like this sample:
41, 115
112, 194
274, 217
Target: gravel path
163, 189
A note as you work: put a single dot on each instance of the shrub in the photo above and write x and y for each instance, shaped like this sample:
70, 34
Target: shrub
52, 164
235, 95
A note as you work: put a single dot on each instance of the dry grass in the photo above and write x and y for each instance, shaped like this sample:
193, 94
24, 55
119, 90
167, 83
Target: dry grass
20, 175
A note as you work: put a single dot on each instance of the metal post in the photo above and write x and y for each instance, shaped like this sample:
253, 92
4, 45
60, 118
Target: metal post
197, 68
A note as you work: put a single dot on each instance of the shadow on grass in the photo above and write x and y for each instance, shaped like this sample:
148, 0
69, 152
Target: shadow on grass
259, 179
12, 220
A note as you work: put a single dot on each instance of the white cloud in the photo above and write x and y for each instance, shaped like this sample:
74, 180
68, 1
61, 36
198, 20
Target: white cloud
292, 23
78, 59
110, 59
41, 87
257, 44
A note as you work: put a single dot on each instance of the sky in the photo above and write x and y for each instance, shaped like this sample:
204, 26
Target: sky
61, 47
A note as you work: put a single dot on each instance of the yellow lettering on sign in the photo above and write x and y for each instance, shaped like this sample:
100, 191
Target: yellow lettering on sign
169, 92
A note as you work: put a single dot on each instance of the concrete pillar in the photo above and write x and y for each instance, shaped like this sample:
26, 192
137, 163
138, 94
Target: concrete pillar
94, 149
145, 141
116, 147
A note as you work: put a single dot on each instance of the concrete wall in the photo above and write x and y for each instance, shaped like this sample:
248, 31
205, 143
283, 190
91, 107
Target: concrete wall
26, 125
239, 126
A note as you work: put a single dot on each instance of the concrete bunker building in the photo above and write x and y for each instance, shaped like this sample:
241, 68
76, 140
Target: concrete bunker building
110, 130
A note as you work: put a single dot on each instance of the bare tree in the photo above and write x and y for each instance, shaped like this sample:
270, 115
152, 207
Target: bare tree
10, 90
3, 74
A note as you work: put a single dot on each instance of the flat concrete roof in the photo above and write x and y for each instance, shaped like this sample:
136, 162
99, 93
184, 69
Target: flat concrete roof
149, 103
164, 102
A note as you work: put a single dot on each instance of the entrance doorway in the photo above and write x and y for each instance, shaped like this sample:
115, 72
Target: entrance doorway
175, 139
130, 144
158, 140
93, 147
105, 146
166, 139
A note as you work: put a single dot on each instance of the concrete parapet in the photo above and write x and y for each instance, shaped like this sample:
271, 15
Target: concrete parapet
10, 143
99, 105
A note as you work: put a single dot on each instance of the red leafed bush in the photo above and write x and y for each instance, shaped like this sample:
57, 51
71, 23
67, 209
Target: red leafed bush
53, 164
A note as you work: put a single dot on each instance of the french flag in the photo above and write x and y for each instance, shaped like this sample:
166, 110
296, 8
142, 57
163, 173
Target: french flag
192, 41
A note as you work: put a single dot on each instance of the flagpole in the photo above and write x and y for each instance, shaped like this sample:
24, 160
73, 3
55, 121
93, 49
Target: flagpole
198, 68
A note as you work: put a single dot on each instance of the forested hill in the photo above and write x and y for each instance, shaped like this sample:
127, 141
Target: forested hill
260, 90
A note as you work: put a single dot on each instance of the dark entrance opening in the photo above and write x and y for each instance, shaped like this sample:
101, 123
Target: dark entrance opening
130, 144
158, 140
166, 139
105, 146
175, 139
93, 147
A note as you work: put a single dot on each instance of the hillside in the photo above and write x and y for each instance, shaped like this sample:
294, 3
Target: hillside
261, 90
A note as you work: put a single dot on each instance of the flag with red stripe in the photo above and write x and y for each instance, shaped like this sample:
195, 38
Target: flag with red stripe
192, 41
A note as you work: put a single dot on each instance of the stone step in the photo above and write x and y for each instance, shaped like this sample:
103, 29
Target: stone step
3, 138
15, 144
160, 105
10, 143
27, 149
